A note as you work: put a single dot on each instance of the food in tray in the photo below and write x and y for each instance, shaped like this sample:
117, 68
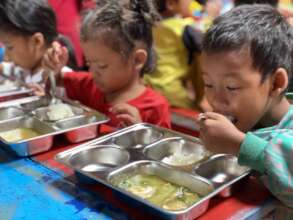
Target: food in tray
59, 111
159, 192
18, 134
178, 157
7, 85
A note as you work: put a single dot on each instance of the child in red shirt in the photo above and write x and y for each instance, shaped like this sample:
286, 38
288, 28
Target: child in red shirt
117, 43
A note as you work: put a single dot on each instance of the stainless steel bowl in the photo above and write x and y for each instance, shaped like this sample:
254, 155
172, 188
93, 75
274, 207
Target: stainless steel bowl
138, 138
99, 158
221, 169
171, 146
9, 113
42, 113
29, 146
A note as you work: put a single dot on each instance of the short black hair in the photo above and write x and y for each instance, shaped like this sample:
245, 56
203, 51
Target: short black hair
121, 24
273, 3
27, 17
259, 28
161, 5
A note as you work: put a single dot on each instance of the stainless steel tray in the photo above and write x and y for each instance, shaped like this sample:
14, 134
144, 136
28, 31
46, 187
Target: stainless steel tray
140, 149
16, 114
15, 90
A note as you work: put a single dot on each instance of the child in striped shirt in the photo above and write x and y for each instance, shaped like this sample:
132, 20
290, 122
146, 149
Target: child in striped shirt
247, 65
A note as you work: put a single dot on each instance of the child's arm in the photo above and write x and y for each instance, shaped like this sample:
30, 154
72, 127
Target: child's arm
273, 158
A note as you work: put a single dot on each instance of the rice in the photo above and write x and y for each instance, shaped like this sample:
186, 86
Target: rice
59, 111
7, 85
179, 158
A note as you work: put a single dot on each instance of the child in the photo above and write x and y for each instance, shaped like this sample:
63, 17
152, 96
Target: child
173, 74
117, 43
27, 29
247, 64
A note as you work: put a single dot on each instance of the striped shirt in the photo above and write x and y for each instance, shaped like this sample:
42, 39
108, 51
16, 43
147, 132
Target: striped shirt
270, 151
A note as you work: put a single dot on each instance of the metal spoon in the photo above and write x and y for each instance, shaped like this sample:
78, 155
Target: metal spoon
52, 79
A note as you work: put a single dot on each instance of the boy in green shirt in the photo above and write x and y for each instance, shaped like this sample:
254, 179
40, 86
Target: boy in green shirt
247, 65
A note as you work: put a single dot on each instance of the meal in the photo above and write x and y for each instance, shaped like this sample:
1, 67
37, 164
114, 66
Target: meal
7, 85
159, 192
18, 134
59, 111
179, 158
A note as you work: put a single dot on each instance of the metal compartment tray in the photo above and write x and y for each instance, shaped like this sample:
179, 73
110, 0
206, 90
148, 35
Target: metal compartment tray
12, 89
82, 126
141, 148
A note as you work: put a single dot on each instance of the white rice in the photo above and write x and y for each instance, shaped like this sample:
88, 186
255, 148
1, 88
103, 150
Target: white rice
59, 111
7, 85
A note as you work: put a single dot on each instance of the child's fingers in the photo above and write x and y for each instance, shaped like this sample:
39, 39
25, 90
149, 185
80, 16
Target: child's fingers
56, 47
213, 115
122, 124
52, 58
200, 117
122, 109
205, 123
48, 63
64, 57
37, 89
58, 52
126, 119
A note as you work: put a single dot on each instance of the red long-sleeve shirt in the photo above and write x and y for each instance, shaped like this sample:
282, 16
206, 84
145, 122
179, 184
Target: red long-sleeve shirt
153, 107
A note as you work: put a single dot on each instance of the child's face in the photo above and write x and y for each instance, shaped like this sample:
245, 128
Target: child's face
19, 50
110, 71
234, 87
180, 7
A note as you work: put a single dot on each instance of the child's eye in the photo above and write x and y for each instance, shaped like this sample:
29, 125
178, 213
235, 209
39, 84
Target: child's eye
104, 66
208, 85
230, 88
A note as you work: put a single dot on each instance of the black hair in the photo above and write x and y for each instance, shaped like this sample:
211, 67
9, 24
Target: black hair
27, 17
121, 24
161, 5
273, 3
260, 29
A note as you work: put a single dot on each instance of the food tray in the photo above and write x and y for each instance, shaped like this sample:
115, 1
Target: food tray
31, 113
11, 89
140, 149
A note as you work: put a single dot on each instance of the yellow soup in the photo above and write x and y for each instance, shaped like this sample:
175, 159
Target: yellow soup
159, 192
18, 134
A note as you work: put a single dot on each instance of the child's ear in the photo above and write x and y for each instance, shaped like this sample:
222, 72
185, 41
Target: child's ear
140, 58
37, 41
280, 82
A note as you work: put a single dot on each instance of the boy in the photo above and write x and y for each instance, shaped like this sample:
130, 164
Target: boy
246, 65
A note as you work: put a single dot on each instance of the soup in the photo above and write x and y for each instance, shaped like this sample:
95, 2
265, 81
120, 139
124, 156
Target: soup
19, 134
159, 192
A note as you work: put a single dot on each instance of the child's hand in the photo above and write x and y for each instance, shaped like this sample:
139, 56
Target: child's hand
127, 114
219, 134
37, 89
55, 58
